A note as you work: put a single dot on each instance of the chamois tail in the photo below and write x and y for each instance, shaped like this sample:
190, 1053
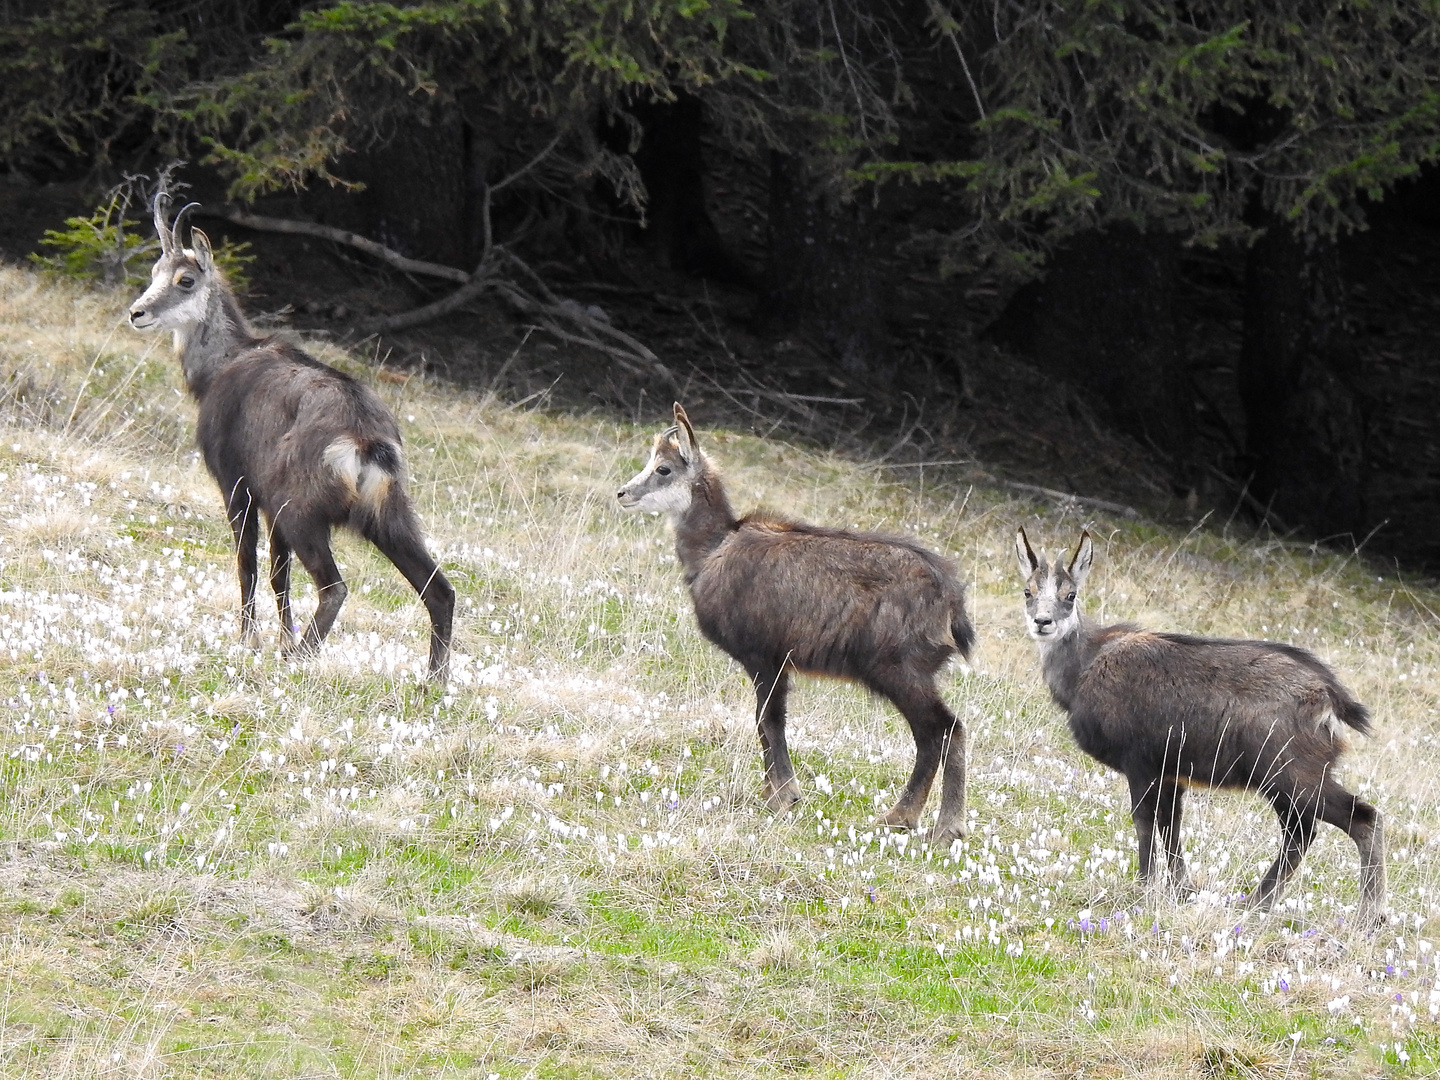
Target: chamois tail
961, 630
1350, 711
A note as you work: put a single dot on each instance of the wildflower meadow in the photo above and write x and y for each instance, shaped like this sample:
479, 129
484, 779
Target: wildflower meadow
217, 862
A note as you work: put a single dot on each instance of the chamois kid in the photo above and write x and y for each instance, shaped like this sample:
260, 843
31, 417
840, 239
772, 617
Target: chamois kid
1171, 711
289, 438
780, 596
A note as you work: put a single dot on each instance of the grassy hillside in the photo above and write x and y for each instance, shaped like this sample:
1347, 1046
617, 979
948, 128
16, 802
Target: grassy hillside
218, 863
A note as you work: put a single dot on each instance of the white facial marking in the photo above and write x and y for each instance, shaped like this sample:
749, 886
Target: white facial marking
166, 305
1049, 615
192, 310
674, 500
651, 491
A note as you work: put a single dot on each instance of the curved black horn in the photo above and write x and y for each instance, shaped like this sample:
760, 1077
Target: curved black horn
181, 219
162, 230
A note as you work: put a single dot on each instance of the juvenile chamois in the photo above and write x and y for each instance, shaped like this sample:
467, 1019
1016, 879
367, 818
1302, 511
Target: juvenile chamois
1171, 711
289, 438
780, 596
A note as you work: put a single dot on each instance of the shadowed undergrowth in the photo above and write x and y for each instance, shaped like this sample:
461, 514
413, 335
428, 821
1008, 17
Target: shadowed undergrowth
221, 864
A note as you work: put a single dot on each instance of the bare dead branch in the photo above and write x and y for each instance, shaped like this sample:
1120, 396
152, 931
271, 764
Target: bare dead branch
1065, 497
639, 359
946, 26
518, 173
552, 312
556, 307
624, 359
340, 236
415, 316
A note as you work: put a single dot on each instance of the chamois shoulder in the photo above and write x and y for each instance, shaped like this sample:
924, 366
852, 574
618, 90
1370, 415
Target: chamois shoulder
1122, 635
1256, 648
1106, 651
274, 349
289, 370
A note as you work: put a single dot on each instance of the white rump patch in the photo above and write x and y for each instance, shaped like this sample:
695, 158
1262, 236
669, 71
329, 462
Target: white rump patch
1327, 721
367, 481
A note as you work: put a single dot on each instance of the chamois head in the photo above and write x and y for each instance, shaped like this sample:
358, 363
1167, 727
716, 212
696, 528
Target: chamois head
665, 481
1051, 588
182, 279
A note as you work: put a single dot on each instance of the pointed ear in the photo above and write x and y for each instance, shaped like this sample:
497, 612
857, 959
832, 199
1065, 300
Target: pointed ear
1080, 562
200, 244
685, 437
1025, 554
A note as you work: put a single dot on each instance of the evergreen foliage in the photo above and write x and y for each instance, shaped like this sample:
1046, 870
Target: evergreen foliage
1199, 118
108, 246
103, 246
525, 75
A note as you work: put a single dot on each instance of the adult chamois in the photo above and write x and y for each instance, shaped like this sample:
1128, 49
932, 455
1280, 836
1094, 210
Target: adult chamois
289, 438
1171, 711
780, 596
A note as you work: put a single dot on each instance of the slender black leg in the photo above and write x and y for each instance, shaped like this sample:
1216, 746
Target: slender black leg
400, 542
280, 582
311, 543
781, 789
1363, 823
245, 523
1297, 829
1144, 806
939, 746
1169, 809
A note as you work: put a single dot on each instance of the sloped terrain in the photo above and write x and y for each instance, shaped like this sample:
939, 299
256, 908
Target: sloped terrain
217, 863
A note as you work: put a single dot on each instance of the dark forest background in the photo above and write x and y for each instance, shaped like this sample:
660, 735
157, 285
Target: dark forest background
1179, 256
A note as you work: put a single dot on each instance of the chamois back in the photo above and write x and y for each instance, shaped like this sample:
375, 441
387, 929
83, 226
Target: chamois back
836, 602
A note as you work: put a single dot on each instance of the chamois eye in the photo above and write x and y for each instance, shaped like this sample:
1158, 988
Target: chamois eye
187, 282
1071, 598
1027, 595
663, 470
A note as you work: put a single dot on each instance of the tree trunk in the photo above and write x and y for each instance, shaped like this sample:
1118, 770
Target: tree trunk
1104, 319
672, 164
823, 273
477, 152
1305, 427
417, 191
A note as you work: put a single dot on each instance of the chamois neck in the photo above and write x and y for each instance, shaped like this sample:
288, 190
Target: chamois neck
1063, 659
204, 347
703, 525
